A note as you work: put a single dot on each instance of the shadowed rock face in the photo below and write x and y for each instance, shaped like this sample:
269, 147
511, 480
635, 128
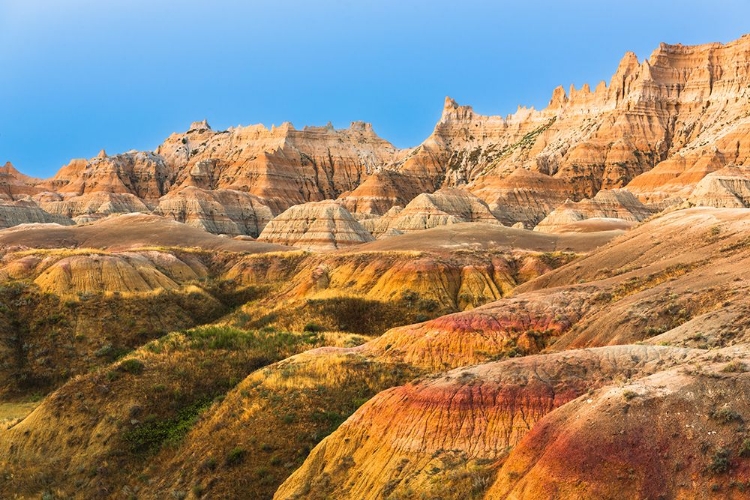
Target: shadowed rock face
725, 188
14, 213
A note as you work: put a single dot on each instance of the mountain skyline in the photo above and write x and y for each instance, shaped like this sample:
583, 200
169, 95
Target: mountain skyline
81, 77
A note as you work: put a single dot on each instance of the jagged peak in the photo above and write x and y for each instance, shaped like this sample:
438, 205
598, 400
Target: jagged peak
453, 111
102, 154
199, 126
283, 128
628, 64
360, 126
559, 98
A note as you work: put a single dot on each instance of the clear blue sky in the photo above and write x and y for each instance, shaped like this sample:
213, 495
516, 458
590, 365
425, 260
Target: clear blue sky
80, 75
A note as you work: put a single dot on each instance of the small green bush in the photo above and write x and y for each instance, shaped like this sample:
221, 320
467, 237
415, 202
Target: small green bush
735, 367
726, 416
720, 462
313, 328
132, 366
236, 456
745, 448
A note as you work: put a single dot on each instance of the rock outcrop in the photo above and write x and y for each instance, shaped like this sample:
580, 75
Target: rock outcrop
607, 204
282, 166
658, 128
323, 225
725, 188
582, 450
219, 211
13, 213
14, 185
446, 206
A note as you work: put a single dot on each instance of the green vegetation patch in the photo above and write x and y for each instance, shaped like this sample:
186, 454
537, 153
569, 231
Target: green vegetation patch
154, 432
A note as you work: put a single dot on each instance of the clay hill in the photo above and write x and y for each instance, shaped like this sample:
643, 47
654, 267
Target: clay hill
656, 129
313, 314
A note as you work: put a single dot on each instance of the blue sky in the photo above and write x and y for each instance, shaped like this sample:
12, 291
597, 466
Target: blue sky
80, 75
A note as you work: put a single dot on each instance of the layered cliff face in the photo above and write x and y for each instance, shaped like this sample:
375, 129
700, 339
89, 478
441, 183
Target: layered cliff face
219, 211
610, 205
658, 128
323, 225
14, 213
725, 188
443, 207
282, 166
14, 185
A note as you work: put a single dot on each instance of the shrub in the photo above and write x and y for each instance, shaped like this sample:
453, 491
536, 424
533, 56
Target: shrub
154, 432
628, 394
720, 462
735, 367
313, 328
745, 448
236, 456
726, 415
132, 366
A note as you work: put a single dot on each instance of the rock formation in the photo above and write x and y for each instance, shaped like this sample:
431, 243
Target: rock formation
617, 204
14, 185
13, 213
725, 188
219, 211
658, 128
672, 119
282, 166
323, 225
423, 436
445, 206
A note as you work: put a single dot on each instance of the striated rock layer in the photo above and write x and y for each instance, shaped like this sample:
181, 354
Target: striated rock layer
419, 436
13, 213
323, 225
725, 188
221, 211
443, 207
658, 128
607, 204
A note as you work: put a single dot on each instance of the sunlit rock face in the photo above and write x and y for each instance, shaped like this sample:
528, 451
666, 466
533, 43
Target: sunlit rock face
657, 129
323, 225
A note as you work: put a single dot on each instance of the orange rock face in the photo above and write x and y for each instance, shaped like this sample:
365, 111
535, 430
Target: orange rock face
422, 437
658, 128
